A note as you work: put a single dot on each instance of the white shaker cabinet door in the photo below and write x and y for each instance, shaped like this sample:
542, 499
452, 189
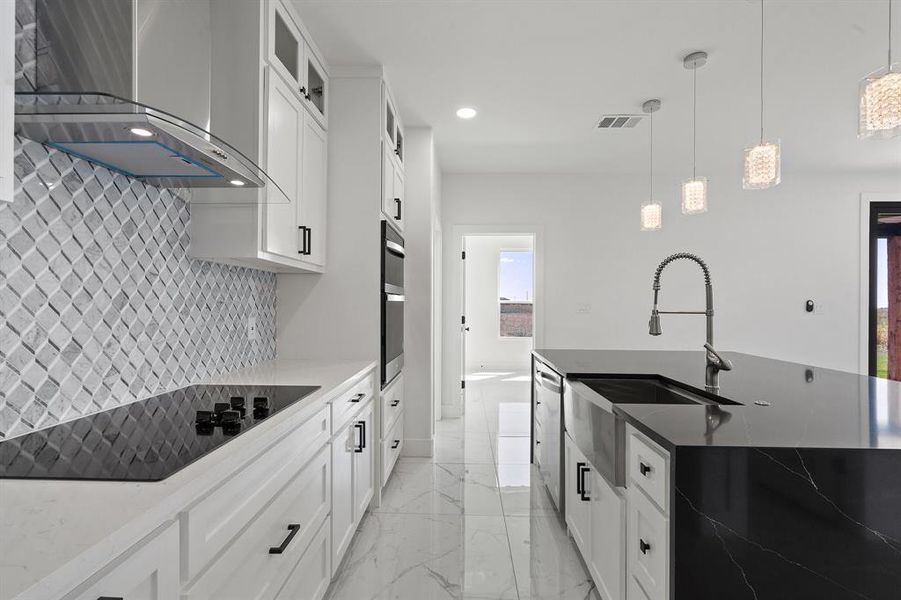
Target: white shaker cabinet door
364, 465
343, 500
313, 197
608, 538
284, 146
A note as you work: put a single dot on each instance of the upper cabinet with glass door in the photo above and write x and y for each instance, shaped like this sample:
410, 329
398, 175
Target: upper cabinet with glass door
294, 58
393, 130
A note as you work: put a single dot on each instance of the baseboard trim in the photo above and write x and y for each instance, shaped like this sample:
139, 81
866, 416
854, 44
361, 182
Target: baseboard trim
418, 447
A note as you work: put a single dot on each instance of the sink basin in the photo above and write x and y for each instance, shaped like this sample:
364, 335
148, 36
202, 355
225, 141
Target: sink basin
647, 391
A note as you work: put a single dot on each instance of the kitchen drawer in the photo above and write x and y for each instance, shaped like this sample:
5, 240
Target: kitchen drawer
634, 591
212, 522
344, 406
149, 571
392, 445
649, 468
392, 402
647, 546
311, 577
257, 563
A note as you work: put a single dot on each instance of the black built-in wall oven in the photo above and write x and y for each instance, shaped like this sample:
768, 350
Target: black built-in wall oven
392, 303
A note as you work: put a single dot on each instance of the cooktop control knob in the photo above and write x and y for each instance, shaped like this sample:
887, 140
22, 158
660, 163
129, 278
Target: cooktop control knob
237, 403
261, 402
229, 417
204, 417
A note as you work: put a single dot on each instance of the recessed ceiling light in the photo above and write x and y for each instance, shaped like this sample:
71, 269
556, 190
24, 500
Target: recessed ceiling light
466, 112
236, 182
141, 132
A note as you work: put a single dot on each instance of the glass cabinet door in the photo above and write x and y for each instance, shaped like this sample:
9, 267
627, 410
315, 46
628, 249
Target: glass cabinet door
317, 84
285, 44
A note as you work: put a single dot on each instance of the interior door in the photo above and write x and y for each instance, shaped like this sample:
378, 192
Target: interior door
313, 198
285, 125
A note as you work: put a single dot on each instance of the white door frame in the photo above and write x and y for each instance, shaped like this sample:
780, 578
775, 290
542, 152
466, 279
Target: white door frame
453, 371
866, 199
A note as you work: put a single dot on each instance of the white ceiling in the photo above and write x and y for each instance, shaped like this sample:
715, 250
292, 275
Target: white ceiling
542, 72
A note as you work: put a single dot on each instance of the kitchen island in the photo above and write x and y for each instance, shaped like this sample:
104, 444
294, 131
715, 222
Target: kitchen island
787, 484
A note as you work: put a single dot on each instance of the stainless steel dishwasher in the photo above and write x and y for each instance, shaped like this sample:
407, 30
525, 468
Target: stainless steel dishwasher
548, 443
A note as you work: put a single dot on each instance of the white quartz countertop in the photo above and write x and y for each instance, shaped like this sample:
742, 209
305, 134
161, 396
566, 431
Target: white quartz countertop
54, 534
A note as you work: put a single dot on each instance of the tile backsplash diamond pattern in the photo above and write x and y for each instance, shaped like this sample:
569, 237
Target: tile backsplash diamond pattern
100, 303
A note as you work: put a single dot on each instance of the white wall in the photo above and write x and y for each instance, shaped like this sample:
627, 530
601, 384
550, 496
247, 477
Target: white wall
422, 201
768, 252
485, 348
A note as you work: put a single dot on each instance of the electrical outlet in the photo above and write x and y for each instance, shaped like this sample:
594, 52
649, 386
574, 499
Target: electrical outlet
252, 329
583, 309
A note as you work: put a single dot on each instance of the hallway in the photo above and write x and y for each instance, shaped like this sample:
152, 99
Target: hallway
474, 521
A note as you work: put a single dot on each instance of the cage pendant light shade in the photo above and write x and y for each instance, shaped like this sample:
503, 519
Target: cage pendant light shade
694, 196
651, 216
763, 166
880, 104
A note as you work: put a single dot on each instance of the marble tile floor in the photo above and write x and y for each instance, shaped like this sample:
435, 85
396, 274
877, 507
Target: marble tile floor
472, 522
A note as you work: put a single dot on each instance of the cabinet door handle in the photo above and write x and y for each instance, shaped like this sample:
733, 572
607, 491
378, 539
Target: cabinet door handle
395, 444
643, 546
110, 598
293, 528
397, 217
395, 403
303, 91
358, 397
361, 425
579, 467
583, 492
308, 244
304, 249
644, 468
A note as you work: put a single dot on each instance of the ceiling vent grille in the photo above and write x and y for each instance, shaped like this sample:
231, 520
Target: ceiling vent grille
619, 121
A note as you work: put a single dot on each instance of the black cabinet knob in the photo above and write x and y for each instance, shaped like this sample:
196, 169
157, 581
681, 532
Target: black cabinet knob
395, 403
358, 397
643, 546
645, 469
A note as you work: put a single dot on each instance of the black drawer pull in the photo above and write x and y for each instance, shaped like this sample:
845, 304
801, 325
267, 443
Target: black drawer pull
395, 403
645, 469
358, 397
397, 217
293, 528
583, 493
643, 546
395, 444
110, 598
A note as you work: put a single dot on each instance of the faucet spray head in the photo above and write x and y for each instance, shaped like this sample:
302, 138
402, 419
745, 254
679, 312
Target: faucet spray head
654, 323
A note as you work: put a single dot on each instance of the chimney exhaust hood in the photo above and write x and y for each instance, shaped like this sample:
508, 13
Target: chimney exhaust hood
125, 84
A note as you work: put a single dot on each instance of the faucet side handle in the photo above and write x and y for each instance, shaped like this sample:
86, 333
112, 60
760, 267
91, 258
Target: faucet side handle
722, 363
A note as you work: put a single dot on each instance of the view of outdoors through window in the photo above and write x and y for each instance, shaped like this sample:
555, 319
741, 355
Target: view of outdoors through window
515, 291
882, 307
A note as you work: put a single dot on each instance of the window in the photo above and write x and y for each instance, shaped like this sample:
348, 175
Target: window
885, 290
515, 293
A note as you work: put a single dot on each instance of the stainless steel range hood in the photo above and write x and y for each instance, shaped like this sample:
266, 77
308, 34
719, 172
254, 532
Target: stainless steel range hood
125, 84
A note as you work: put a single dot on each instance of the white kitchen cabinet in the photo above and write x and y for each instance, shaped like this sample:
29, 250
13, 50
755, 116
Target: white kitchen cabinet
353, 479
596, 518
312, 221
578, 481
608, 537
7, 87
392, 188
311, 578
284, 154
364, 465
148, 572
263, 61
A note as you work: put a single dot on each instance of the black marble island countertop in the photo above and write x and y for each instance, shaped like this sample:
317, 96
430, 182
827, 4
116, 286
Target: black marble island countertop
794, 493
781, 404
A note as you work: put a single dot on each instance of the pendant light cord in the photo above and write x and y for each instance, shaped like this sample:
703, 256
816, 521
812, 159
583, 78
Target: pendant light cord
694, 126
761, 70
651, 172
889, 35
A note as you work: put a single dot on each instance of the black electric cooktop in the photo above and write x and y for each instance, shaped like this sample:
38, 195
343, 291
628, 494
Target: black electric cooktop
147, 440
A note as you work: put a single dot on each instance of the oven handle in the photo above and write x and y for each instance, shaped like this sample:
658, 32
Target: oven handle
394, 297
395, 248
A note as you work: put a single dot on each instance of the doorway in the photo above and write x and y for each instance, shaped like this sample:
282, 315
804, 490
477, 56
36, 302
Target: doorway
884, 339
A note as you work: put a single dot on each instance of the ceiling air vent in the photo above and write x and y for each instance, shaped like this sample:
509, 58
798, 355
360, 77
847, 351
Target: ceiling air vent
619, 121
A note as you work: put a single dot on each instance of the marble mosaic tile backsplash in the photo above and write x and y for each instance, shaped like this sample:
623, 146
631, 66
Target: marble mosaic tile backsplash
100, 303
